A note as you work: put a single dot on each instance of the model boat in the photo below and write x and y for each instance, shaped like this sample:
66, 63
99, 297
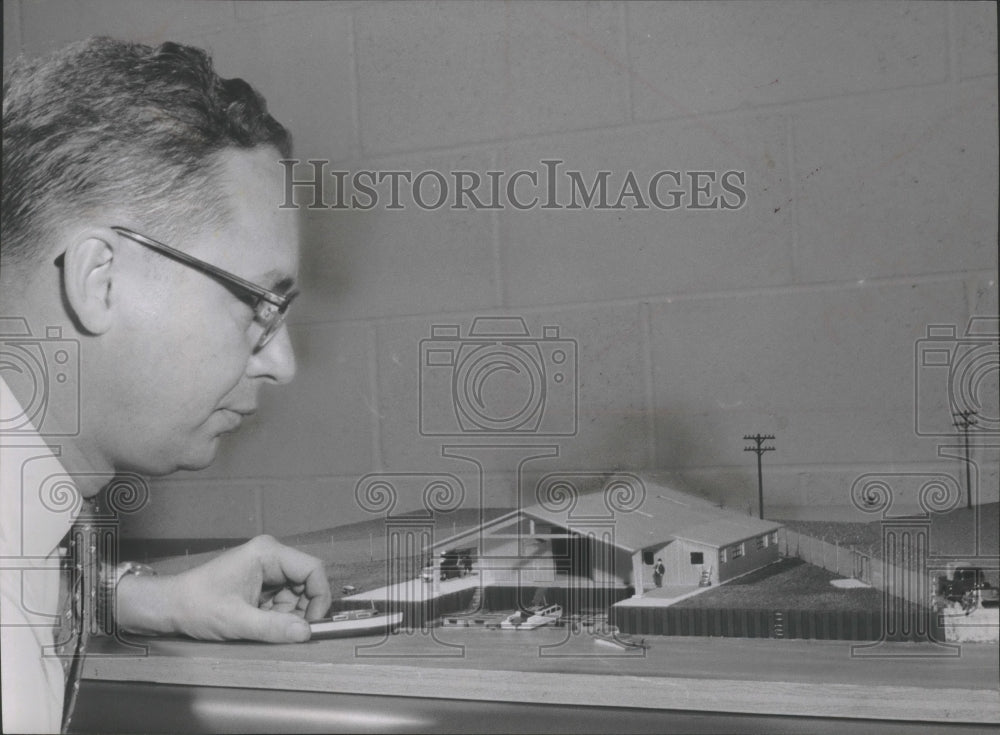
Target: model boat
533, 617
621, 642
355, 622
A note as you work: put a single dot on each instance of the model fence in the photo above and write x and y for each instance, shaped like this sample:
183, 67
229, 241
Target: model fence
846, 561
851, 625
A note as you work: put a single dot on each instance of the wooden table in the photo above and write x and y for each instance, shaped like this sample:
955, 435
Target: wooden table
555, 680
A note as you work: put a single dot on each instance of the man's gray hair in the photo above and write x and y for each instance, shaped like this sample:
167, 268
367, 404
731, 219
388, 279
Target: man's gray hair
112, 124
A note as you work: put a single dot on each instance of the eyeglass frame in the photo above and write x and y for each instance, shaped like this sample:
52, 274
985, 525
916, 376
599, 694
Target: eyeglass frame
270, 308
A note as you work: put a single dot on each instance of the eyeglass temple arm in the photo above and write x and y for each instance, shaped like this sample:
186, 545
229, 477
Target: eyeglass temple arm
276, 299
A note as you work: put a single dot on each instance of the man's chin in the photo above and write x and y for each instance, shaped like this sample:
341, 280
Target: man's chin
201, 459
194, 459
197, 454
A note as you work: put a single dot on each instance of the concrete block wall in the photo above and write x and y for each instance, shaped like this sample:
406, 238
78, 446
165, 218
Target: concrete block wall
867, 137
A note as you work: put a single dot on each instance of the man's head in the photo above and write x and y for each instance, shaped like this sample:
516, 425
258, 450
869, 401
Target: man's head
108, 134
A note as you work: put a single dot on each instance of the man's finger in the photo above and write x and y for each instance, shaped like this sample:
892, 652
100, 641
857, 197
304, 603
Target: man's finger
292, 565
269, 626
285, 601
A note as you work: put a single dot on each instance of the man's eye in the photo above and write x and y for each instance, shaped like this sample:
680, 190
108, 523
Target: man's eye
248, 308
249, 300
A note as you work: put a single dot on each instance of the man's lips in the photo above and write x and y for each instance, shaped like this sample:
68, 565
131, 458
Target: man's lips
235, 416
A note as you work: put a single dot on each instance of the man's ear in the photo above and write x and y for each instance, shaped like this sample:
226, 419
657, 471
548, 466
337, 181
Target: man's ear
87, 279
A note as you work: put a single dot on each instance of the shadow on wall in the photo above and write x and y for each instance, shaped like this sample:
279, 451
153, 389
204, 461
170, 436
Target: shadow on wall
333, 244
729, 487
677, 437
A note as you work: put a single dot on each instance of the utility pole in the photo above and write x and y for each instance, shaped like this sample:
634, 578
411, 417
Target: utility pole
963, 420
759, 448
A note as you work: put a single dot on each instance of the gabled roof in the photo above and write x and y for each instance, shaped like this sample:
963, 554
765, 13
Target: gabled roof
723, 531
665, 512
472, 533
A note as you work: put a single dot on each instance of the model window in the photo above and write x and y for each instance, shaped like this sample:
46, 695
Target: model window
722, 556
647, 557
773, 537
697, 557
762, 542
737, 551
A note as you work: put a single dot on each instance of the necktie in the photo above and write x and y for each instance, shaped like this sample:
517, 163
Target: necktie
80, 617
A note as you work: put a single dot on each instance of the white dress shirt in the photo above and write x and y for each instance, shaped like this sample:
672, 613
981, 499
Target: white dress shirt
38, 503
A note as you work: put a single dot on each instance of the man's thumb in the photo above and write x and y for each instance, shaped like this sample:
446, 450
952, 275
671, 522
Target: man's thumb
275, 627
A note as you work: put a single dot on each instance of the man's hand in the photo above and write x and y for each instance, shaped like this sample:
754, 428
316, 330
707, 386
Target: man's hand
259, 591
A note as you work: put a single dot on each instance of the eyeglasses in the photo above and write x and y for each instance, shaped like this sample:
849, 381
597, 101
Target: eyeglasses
269, 308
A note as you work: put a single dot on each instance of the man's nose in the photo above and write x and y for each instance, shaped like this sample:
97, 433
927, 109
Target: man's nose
276, 360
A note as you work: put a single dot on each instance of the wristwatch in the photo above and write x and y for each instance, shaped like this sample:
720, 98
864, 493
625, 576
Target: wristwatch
110, 577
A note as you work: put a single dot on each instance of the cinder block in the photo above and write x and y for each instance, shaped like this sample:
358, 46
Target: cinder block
303, 66
420, 494
983, 295
49, 25
824, 493
976, 38
387, 262
300, 505
797, 350
320, 424
824, 488
11, 31
590, 253
802, 437
831, 372
252, 10
441, 74
735, 488
586, 407
898, 183
989, 482
417, 421
314, 504
183, 508
691, 58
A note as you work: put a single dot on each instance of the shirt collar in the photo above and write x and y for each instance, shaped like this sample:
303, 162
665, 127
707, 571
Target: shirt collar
39, 499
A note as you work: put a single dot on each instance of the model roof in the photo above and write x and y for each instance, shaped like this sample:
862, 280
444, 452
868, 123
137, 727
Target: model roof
664, 513
642, 512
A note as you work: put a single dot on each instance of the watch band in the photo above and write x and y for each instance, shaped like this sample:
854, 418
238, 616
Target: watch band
110, 578
130, 567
